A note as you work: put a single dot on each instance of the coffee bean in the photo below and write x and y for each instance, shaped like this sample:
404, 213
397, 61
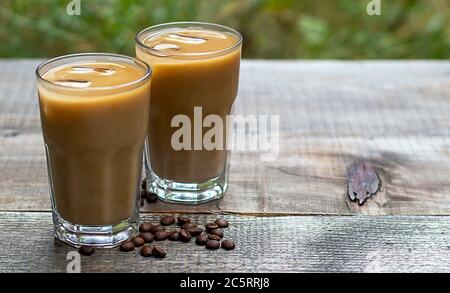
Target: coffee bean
145, 227
201, 239
184, 236
183, 220
86, 250
195, 231
147, 251
161, 235
158, 252
167, 221
222, 223
144, 194
174, 236
212, 244
227, 244
147, 236
152, 197
138, 241
218, 232
127, 246
157, 228
144, 184
214, 237
188, 226
211, 226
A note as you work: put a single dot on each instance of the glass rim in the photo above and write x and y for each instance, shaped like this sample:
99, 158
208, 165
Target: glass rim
145, 66
193, 54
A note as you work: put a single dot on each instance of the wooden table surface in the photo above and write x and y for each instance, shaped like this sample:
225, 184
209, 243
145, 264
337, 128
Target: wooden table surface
288, 215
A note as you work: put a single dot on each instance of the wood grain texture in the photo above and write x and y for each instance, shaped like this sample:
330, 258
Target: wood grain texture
394, 115
264, 244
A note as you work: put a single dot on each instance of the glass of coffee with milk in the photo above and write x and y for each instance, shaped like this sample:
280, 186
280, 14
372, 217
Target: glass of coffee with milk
194, 86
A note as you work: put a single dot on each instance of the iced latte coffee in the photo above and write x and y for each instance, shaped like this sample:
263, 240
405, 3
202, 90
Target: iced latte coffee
94, 114
195, 68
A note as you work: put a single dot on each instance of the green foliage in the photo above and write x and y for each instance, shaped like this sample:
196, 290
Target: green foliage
271, 28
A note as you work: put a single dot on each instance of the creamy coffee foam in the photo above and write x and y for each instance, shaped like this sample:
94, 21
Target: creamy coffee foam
92, 75
190, 41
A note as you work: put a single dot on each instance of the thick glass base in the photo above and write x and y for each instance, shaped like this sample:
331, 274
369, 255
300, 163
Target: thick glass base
186, 193
99, 236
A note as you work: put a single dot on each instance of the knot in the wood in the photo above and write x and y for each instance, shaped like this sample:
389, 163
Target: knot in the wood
363, 182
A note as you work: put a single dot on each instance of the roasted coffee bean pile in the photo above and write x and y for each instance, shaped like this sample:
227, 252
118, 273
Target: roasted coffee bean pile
210, 237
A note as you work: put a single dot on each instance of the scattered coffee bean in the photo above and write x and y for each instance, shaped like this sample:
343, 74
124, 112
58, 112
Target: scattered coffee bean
161, 235
183, 220
145, 227
86, 250
227, 244
127, 246
211, 226
195, 231
158, 252
152, 197
147, 251
174, 236
167, 221
214, 237
218, 232
157, 228
184, 236
138, 241
201, 239
222, 223
212, 244
188, 226
147, 236
144, 184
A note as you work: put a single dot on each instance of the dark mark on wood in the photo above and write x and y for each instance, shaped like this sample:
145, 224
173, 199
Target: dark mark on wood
363, 182
10, 133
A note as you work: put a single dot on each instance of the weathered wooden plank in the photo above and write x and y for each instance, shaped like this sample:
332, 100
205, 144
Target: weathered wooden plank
392, 114
264, 244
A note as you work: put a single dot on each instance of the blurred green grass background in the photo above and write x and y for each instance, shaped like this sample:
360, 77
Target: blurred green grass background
288, 29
